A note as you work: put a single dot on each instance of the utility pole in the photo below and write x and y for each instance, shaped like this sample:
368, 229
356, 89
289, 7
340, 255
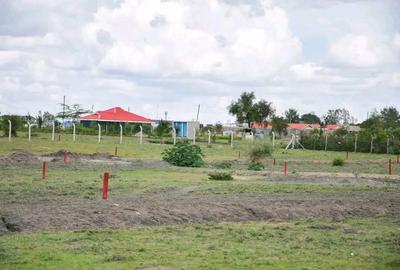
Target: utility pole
198, 112
63, 112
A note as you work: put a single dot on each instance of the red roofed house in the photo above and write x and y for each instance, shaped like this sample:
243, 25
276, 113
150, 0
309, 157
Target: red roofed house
331, 128
116, 114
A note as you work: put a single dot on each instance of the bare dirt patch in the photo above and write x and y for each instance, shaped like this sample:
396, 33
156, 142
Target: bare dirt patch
19, 158
179, 207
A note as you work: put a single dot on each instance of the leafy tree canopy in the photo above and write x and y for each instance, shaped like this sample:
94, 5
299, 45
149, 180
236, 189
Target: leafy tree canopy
292, 116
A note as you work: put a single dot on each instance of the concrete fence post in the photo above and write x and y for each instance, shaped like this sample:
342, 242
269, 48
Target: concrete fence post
273, 139
326, 142
174, 135
53, 131
29, 131
232, 138
355, 143
120, 133
194, 135
141, 135
372, 144
73, 132
9, 130
99, 137
209, 137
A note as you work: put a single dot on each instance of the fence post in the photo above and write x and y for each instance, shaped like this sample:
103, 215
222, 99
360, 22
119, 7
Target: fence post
355, 143
194, 135
174, 135
390, 167
285, 169
29, 131
232, 138
99, 138
372, 144
120, 133
141, 135
44, 170
398, 159
105, 185
347, 155
53, 131
73, 132
9, 130
65, 156
326, 142
209, 137
273, 140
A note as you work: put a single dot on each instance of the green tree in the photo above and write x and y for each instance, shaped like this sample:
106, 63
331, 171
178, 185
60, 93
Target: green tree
163, 129
292, 116
16, 122
279, 125
390, 117
338, 117
310, 118
247, 110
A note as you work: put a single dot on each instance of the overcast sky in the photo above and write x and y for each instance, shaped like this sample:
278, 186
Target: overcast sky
158, 55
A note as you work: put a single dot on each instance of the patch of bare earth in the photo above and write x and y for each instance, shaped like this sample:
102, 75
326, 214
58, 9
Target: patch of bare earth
177, 207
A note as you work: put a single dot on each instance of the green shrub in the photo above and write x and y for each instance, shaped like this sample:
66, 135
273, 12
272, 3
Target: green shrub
255, 167
338, 162
16, 124
184, 154
259, 151
223, 165
220, 176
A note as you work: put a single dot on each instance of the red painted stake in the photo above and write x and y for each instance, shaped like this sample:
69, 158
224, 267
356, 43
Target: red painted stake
390, 167
44, 169
285, 168
116, 151
65, 156
105, 185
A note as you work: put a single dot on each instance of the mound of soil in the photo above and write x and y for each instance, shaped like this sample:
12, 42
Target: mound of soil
18, 158
75, 156
180, 207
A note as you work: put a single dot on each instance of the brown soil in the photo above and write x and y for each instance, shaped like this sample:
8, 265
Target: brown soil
19, 158
180, 206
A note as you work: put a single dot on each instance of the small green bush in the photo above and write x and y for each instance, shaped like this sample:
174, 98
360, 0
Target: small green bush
184, 154
220, 176
259, 151
223, 165
255, 167
338, 162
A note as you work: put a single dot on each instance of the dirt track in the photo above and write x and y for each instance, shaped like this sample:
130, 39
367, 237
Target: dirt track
177, 207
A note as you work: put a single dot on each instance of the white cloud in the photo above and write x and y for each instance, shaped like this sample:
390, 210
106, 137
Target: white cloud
360, 51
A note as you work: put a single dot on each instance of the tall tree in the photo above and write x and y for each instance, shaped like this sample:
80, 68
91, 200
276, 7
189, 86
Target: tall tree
390, 117
338, 117
72, 111
279, 125
310, 118
292, 116
247, 110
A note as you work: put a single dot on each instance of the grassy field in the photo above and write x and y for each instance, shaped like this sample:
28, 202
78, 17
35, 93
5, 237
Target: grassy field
130, 148
358, 243
318, 223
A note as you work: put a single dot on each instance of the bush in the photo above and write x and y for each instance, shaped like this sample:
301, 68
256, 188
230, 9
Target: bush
260, 151
255, 167
338, 162
16, 123
221, 176
184, 154
223, 165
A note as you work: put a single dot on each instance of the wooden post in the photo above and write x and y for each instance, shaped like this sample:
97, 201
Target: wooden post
105, 185
44, 170
347, 155
390, 167
285, 169
116, 151
398, 159
9, 130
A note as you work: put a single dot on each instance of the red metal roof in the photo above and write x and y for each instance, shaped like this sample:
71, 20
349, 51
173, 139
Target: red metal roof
116, 114
332, 127
302, 126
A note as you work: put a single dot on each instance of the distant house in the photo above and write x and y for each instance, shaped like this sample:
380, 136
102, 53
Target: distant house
185, 129
116, 114
331, 128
